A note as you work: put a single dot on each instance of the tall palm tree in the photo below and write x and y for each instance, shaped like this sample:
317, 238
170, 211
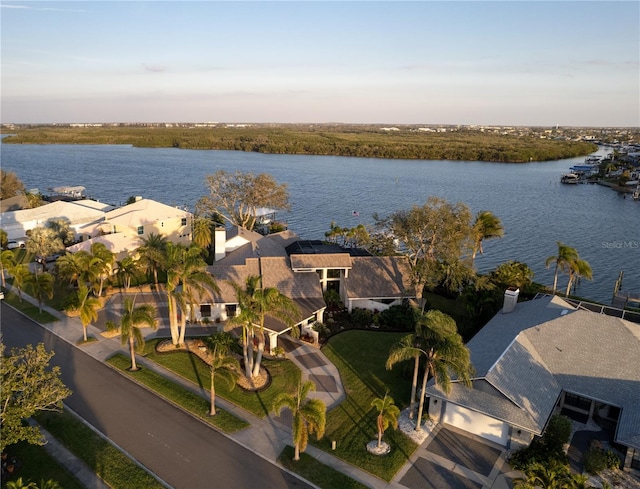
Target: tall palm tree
443, 350
152, 253
40, 286
260, 302
133, 318
577, 269
562, 260
411, 344
88, 307
187, 281
388, 414
309, 415
7, 261
221, 363
486, 226
102, 262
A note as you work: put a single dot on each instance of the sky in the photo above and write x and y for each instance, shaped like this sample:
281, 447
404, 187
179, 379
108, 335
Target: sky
526, 63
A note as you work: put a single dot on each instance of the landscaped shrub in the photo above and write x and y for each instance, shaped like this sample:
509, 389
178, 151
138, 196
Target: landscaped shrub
546, 449
596, 459
361, 318
398, 318
332, 299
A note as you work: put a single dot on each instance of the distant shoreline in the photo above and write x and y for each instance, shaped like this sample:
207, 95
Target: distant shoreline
516, 145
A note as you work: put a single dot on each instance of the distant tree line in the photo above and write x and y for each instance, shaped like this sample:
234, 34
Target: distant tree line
364, 142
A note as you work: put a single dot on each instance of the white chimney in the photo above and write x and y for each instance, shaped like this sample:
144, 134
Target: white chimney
510, 299
219, 243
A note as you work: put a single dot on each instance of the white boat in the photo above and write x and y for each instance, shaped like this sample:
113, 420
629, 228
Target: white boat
636, 193
570, 178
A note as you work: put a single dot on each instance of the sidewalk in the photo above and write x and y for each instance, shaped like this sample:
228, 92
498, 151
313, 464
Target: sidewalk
265, 437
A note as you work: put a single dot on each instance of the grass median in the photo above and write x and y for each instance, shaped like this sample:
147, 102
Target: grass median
316, 472
193, 403
284, 377
107, 461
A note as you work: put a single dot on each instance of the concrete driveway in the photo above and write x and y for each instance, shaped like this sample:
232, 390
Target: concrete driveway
451, 458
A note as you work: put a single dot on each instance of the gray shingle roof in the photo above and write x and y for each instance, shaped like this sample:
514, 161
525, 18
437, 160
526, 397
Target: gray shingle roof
545, 346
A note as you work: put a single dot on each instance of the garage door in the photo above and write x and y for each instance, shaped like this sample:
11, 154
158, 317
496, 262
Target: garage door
476, 423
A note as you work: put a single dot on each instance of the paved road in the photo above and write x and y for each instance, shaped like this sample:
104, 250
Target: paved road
179, 449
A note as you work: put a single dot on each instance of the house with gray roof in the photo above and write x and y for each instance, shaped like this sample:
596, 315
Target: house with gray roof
303, 271
538, 357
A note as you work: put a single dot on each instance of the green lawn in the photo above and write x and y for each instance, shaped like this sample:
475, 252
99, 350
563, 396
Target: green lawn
113, 466
316, 472
29, 309
38, 465
360, 357
284, 377
193, 403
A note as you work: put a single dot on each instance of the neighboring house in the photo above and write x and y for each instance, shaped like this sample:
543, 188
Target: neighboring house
120, 244
146, 216
77, 214
16, 203
303, 271
541, 356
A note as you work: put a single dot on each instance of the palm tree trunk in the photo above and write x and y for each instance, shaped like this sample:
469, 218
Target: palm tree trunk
245, 352
183, 327
379, 433
569, 284
414, 385
213, 392
172, 319
296, 452
422, 392
84, 332
555, 279
251, 358
256, 366
132, 350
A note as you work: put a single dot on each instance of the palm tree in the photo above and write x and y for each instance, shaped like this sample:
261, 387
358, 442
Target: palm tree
578, 268
101, 264
258, 302
388, 414
19, 272
133, 318
565, 256
128, 269
546, 476
187, 281
7, 261
202, 231
221, 363
443, 350
486, 226
309, 415
71, 266
152, 253
40, 286
88, 307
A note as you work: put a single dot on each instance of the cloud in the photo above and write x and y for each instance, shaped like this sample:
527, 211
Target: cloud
51, 9
154, 68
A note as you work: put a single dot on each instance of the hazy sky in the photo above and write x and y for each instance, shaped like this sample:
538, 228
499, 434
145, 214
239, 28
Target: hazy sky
418, 62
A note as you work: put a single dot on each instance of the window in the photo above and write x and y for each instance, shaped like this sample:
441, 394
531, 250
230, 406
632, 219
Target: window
333, 273
231, 310
184, 221
577, 401
205, 310
140, 230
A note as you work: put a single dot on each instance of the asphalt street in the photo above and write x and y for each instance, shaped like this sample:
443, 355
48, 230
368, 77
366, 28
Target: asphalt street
181, 450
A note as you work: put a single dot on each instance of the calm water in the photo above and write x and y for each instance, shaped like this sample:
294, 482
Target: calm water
535, 208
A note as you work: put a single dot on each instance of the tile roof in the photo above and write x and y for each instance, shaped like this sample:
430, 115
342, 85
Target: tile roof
144, 211
321, 260
376, 277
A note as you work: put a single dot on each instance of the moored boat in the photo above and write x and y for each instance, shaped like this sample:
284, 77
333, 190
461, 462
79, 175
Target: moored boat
570, 178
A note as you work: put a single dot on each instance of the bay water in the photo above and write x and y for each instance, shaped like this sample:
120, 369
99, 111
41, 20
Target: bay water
535, 209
